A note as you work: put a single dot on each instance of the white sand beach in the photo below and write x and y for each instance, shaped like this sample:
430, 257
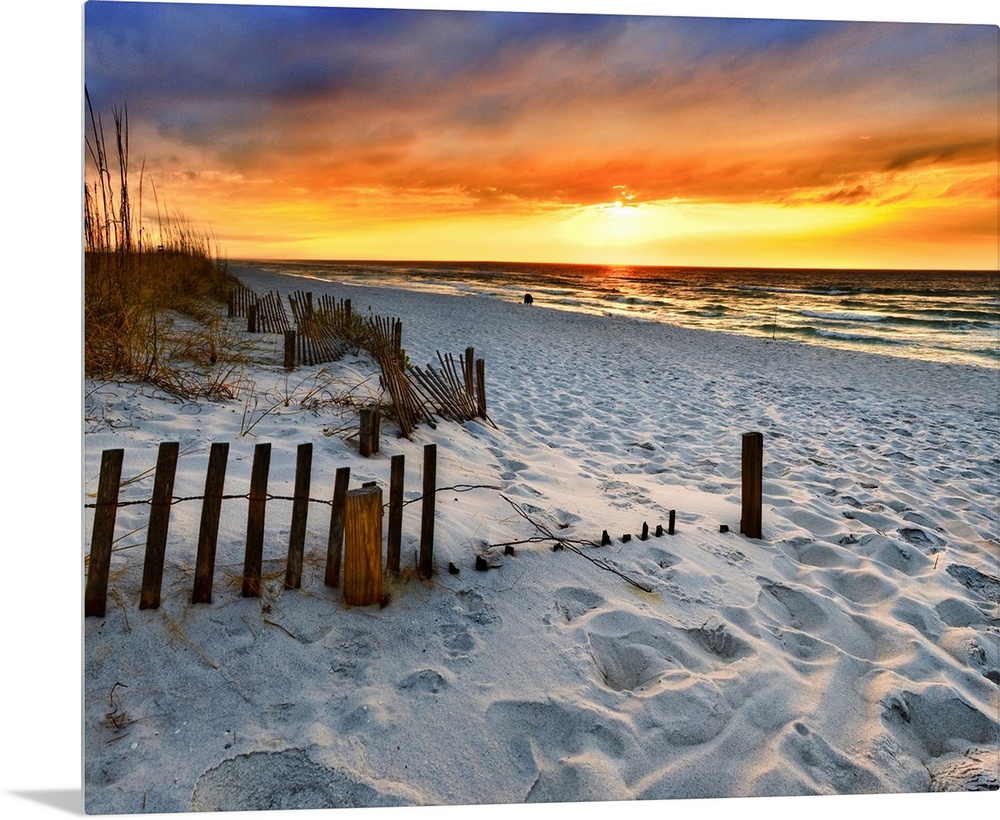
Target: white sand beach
853, 649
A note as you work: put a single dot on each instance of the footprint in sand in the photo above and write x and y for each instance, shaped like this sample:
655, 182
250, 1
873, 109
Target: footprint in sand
265, 781
458, 640
423, 681
633, 653
795, 607
828, 769
936, 721
563, 751
471, 604
572, 602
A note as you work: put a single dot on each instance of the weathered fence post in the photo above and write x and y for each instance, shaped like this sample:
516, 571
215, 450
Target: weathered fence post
425, 566
481, 387
159, 521
336, 539
672, 521
231, 305
397, 337
753, 462
347, 310
255, 521
395, 513
309, 304
369, 432
96, 595
363, 546
469, 365
289, 350
300, 511
208, 533
252, 318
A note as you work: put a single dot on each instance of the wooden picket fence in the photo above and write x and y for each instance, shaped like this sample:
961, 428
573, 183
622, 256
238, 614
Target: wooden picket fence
354, 531
240, 299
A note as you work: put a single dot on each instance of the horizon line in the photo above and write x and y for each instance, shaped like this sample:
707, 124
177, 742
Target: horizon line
415, 261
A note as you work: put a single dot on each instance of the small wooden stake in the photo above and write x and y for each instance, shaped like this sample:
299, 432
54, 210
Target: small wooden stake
363, 546
671, 522
96, 595
159, 521
425, 568
335, 542
753, 463
289, 350
645, 531
255, 520
209, 532
395, 513
300, 512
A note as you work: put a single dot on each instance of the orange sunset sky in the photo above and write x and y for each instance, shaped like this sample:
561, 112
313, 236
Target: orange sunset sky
333, 133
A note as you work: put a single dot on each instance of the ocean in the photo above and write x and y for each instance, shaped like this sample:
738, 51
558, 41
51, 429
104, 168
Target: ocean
949, 316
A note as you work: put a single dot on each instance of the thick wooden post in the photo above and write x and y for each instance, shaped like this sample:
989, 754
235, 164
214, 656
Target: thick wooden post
369, 431
208, 533
255, 521
426, 564
232, 304
363, 546
289, 350
397, 337
300, 512
309, 304
335, 542
395, 513
753, 463
481, 387
96, 595
672, 522
252, 318
159, 521
347, 309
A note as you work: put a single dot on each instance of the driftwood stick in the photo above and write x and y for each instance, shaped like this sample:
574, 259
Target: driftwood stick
570, 545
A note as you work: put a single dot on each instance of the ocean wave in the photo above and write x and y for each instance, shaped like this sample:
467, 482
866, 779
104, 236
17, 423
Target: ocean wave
844, 317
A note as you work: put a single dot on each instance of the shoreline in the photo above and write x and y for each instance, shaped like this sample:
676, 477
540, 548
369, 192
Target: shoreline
819, 336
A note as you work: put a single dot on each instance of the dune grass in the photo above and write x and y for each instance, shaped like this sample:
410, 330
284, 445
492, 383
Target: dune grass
141, 276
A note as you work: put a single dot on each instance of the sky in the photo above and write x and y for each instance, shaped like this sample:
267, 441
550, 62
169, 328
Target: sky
369, 133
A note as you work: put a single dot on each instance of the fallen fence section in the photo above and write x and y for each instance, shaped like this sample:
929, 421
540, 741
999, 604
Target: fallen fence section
326, 329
